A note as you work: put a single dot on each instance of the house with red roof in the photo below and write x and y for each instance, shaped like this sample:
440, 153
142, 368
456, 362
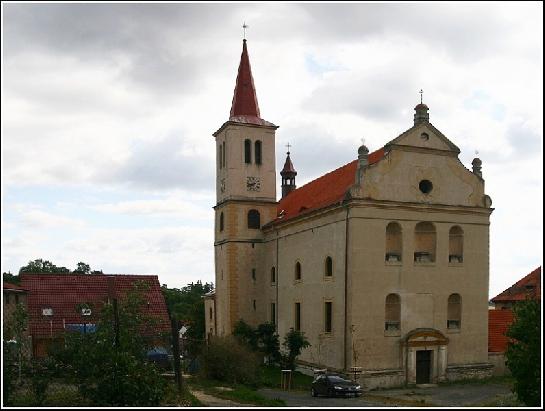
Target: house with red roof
381, 262
501, 317
73, 302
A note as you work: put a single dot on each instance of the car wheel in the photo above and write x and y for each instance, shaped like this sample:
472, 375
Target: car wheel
313, 392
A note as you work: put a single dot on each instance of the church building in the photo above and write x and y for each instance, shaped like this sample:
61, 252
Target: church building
383, 263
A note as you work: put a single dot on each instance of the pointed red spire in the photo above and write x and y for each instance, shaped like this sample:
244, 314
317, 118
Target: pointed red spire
288, 169
245, 98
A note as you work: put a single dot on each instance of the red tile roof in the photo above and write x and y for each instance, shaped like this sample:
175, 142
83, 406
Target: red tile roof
62, 293
498, 323
322, 192
244, 97
528, 286
13, 287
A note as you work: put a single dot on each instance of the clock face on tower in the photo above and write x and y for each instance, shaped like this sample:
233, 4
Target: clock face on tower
253, 183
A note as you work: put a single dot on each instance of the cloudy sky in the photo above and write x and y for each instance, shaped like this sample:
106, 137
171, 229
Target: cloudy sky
108, 112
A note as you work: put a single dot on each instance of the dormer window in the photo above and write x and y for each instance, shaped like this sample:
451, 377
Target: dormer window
47, 312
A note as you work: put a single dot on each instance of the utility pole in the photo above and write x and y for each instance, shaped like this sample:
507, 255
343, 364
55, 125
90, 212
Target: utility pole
176, 352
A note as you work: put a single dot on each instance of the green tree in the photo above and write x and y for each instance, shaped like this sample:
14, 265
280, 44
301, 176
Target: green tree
187, 306
246, 334
524, 351
82, 268
11, 278
268, 341
15, 348
40, 266
294, 341
110, 367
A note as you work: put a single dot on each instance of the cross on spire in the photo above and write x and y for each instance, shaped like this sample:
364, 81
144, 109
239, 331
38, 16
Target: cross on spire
244, 27
288, 146
421, 95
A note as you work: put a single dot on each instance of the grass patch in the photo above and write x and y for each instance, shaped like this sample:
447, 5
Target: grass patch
184, 399
270, 377
507, 400
236, 392
58, 395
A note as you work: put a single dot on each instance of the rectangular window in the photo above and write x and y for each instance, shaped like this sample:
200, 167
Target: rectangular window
273, 313
253, 274
297, 326
223, 159
328, 316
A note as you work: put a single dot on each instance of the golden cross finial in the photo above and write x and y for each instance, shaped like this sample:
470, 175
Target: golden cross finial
421, 94
244, 27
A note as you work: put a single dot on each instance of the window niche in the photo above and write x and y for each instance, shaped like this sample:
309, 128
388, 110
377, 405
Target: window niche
273, 275
424, 243
247, 151
254, 221
393, 243
454, 312
297, 271
328, 272
221, 221
392, 315
456, 245
257, 152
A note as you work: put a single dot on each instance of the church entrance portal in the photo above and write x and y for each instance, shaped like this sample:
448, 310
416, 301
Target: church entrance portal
423, 363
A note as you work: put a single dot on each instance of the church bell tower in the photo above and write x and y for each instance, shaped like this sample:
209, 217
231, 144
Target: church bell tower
245, 200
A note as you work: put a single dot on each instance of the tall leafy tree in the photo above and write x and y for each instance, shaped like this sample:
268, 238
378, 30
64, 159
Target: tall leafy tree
524, 351
187, 306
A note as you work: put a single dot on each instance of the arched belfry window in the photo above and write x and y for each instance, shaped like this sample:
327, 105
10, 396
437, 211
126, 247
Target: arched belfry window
297, 271
258, 152
221, 221
392, 318
328, 267
220, 156
224, 154
454, 311
247, 151
393, 242
254, 219
424, 242
456, 245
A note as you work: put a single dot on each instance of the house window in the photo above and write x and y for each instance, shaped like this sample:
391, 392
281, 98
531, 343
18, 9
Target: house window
247, 151
297, 271
273, 275
328, 316
392, 312
221, 221
454, 311
273, 313
328, 267
456, 245
424, 242
258, 152
254, 219
393, 242
297, 321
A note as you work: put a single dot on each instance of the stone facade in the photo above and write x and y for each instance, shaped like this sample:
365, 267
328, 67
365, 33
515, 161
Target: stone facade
408, 247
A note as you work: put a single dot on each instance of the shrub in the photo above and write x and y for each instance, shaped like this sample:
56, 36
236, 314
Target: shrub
227, 359
294, 341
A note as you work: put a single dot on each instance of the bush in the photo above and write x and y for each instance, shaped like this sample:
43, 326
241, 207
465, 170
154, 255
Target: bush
294, 341
227, 359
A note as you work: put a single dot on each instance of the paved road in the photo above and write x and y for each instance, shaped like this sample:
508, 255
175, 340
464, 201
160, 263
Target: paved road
304, 399
456, 395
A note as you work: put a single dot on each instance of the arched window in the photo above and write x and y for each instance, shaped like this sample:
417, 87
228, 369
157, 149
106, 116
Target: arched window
393, 242
221, 221
247, 151
424, 242
253, 219
328, 267
220, 156
392, 312
258, 152
273, 275
224, 154
297, 271
454, 311
456, 245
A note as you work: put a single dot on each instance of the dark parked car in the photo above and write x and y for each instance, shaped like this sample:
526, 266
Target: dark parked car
333, 385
